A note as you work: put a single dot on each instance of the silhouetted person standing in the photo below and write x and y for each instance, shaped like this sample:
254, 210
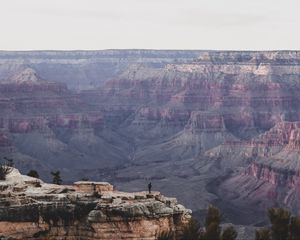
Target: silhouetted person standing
149, 187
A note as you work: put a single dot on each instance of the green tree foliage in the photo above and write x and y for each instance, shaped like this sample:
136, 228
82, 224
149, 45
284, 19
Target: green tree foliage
33, 173
212, 224
166, 236
4, 170
280, 219
294, 228
191, 230
213, 216
229, 233
283, 226
56, 178
212, 229
263, 234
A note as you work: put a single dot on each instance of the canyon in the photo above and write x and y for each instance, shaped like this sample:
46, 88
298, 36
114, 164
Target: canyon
219, 127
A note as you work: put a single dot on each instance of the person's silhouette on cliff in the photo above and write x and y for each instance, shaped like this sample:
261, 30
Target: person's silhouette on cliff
149, 187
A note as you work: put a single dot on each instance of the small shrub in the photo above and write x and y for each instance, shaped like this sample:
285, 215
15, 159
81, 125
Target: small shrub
84, 179
4, 170
33, 173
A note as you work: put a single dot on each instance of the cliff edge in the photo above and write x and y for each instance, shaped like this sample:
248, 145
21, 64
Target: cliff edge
32, 209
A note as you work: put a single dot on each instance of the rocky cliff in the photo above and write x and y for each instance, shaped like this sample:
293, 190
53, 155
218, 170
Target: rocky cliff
272, 178
32, 209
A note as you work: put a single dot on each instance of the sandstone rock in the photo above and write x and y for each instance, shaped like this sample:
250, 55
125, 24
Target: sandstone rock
50, 212
91, 187
28, 75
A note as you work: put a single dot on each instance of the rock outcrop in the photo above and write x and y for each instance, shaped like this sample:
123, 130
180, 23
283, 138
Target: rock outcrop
32, 209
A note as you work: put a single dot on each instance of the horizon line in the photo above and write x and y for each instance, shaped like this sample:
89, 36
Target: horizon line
149, 49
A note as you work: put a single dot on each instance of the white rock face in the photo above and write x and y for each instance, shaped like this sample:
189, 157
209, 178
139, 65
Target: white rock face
16, 178
28, 75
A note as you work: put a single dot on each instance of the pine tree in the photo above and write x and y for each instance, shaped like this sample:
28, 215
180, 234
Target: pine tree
56, 178
280, 219
213, 216
33, 173
213, 231
212, 224
4, 170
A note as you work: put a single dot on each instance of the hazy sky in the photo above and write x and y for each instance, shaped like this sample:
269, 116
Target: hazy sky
159, 24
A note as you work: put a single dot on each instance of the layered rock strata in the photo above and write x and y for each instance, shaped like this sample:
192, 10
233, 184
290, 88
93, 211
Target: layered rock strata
182, 118
32, 209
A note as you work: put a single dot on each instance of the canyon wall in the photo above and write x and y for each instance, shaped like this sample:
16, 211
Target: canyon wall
183, 119
272, 179
85, 69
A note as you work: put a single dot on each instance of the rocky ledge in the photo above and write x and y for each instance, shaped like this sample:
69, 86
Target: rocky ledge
32, 209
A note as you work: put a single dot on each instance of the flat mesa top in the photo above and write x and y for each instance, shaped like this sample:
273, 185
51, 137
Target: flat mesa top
91, 183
